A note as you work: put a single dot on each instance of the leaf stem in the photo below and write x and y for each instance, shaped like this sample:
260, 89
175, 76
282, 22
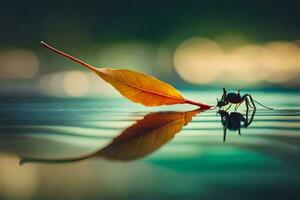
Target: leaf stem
203, 106
68, 56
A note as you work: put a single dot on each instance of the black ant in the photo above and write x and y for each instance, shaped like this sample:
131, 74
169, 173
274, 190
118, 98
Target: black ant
232, 121
236, 98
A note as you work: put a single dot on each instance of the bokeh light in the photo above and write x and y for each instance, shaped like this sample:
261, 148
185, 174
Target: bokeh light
244, 64
282, 59
199, 60
18, 64
76, 83
52, 84
204, 61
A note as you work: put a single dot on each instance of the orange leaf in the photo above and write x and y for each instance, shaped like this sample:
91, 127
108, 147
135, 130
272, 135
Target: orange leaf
137, 87
141, 88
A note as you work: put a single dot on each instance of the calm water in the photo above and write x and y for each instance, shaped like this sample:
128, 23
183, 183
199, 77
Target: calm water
67, 150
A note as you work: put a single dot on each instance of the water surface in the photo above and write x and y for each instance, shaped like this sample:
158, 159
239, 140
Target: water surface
112, 148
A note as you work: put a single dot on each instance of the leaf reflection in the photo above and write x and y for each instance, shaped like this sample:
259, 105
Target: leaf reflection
139, 140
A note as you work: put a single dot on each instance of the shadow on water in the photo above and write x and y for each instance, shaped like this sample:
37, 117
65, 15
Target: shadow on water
140, 139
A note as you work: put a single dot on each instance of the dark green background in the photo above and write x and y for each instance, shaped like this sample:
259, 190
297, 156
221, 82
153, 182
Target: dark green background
82, 22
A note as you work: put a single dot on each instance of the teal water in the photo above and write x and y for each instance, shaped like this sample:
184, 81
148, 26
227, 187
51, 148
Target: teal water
67, 150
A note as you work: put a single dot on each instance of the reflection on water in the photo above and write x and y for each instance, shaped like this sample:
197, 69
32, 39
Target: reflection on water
137, 141
173, 155
232, 121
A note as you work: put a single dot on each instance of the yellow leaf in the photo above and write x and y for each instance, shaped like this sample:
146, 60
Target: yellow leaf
137, 87
140, 139
141, 88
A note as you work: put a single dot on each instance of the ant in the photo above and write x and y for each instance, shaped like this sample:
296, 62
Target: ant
232, 121
236, 98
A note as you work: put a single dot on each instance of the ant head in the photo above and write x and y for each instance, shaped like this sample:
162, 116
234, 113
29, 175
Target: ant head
221, 103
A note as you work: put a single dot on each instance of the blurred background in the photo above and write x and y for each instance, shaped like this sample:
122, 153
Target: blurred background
194, 45
48, 109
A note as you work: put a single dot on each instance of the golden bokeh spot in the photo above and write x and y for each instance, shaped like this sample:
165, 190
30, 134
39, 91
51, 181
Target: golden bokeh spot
199, 60
203, 61
76, 83
18, 64
282, 59
245, 63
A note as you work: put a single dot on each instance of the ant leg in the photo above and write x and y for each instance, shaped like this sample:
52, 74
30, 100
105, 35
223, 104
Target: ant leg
239, 130
224, 134
222, 120
237, 106
245, 97
251, 106
247, 104
247, 117
228, 107
251, 119
251, 99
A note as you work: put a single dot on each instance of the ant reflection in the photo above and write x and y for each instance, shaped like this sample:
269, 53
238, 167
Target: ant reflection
235, 121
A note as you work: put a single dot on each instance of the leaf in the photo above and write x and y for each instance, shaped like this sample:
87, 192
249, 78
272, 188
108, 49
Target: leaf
137, 87
140, 139
141, 88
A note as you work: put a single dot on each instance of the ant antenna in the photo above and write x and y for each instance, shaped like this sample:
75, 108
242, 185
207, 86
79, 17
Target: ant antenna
263, 105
